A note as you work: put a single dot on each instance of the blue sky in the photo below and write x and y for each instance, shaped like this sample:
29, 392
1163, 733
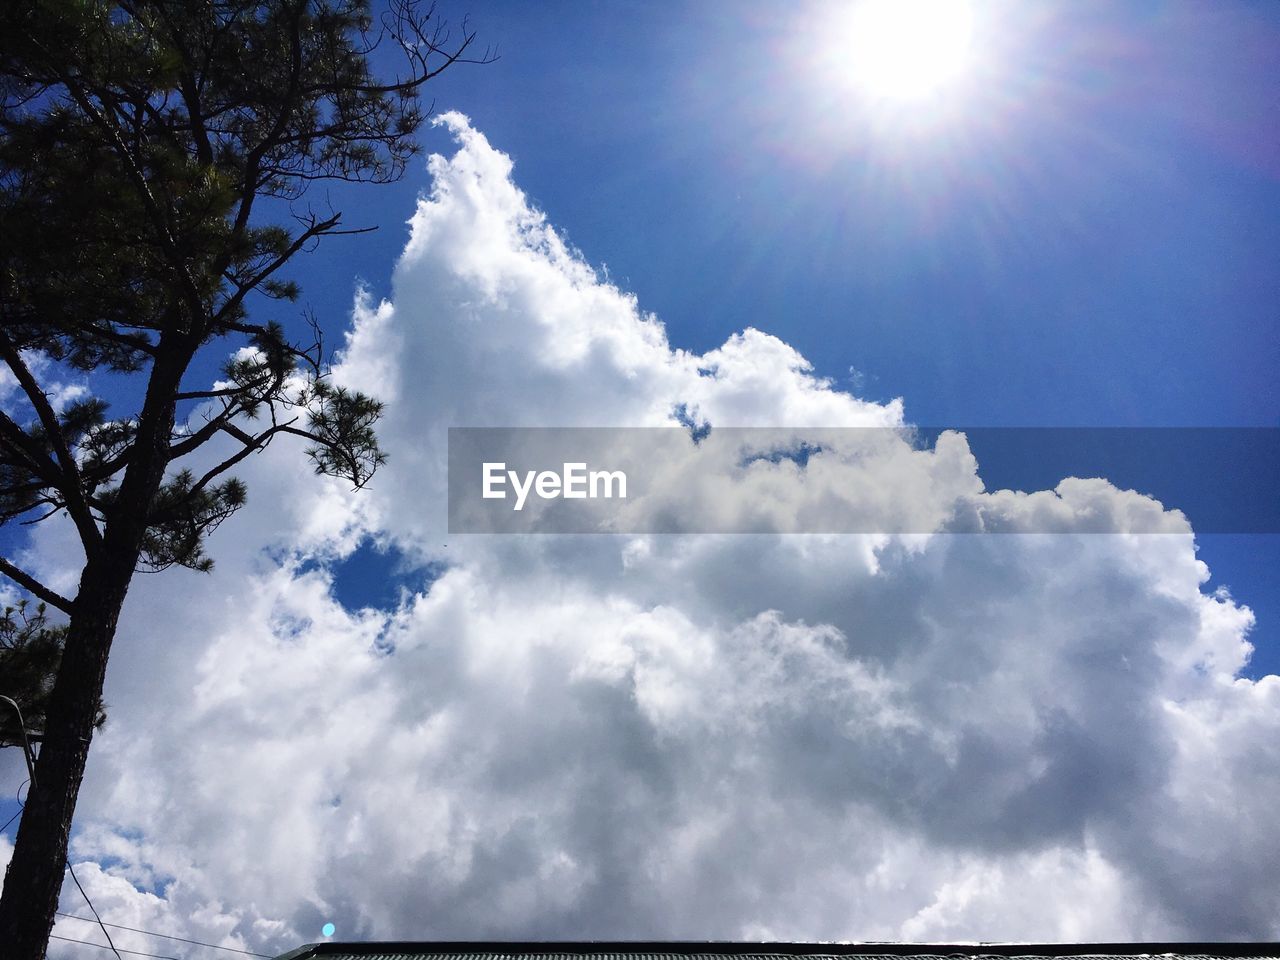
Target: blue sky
513, 737
1100, 255
1091, 242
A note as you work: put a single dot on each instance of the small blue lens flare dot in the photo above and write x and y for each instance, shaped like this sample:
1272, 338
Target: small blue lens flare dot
327, 929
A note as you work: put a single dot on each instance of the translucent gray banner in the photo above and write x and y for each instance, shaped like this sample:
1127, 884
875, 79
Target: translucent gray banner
907, 480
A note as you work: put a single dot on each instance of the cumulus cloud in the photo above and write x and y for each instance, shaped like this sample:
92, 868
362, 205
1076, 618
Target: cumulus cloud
1041, 736
60, 393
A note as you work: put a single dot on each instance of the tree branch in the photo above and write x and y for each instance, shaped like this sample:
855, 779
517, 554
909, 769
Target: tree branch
70, 486
35, 587
37, 460
190, 92
252, 444
316, 229
205, 433
254, 159
190, 293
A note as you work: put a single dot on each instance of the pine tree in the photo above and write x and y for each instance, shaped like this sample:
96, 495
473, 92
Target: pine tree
141, 146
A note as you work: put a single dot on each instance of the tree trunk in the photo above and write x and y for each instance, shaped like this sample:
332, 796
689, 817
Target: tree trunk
34, 876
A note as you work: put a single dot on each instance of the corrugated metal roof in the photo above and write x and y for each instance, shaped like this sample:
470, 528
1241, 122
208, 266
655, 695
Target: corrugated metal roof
437, 951
401, 955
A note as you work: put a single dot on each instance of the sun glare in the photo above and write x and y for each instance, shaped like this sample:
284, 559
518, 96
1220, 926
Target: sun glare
905, 50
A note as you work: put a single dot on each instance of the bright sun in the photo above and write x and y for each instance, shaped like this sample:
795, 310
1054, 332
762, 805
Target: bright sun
905, 50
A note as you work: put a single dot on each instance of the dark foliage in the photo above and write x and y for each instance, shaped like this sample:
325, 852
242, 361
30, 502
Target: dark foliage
155, 164
30, 650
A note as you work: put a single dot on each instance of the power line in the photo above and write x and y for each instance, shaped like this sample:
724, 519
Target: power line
169, 936
26, 740
95, 911
109, 945
21, 806
90, 943
120, 926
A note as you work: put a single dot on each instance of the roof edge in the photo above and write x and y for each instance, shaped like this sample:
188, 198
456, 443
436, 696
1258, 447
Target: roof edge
826, 948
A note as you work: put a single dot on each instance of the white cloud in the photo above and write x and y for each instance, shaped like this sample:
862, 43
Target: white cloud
1030, 737
14, 401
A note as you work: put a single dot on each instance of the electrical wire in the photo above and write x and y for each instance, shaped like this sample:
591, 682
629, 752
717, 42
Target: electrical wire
90, 943
109, 944
95, 912
26, 740
21, 806
15, 816
169, 936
